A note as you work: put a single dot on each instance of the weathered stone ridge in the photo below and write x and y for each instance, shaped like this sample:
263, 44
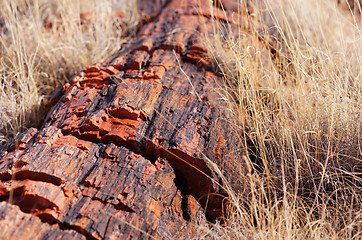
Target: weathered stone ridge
126, 150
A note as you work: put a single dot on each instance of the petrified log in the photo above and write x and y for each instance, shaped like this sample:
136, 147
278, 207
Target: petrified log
127, 148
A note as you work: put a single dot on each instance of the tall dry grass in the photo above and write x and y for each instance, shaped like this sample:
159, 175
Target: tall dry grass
43, 43
299, 113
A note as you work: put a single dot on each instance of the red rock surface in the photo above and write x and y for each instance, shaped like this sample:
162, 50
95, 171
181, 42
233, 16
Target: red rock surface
126, 150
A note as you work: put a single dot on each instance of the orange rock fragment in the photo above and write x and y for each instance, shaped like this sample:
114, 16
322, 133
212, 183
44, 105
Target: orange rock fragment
111, 70
96, 67
73, 141
42, 199
154, 72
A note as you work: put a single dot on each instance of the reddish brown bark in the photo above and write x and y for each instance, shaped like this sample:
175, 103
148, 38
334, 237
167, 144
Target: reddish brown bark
125, 150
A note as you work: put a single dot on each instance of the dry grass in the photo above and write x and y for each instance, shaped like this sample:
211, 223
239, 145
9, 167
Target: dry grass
300, 116
35, 58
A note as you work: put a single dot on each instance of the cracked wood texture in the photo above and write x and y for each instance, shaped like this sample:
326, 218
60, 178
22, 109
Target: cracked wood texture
127, 149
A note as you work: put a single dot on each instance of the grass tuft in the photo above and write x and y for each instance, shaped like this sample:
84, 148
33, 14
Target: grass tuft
43, 43
298, 108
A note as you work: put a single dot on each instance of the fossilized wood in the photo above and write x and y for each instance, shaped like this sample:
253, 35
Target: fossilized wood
127, 148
